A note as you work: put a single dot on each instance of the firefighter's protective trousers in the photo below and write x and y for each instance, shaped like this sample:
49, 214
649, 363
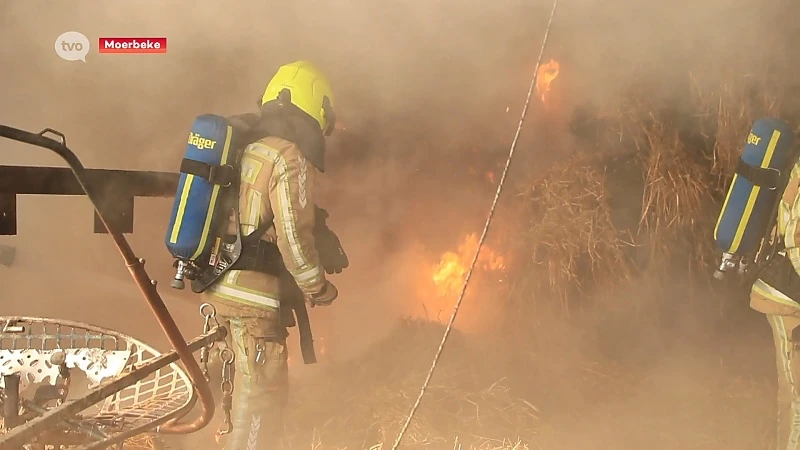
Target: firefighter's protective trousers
278, 187
783, 314
785, 326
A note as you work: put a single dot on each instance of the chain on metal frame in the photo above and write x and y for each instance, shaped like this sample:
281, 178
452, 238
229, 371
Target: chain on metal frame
227, 356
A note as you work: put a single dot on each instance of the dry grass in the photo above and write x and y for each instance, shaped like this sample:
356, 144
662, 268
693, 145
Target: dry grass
465, 399
676, 196
686, 149
684, 180
503, 444
569, 230
144, 442
554, 403
726, 111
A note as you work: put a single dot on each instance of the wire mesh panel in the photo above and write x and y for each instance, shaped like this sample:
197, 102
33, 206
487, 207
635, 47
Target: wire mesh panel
48, 353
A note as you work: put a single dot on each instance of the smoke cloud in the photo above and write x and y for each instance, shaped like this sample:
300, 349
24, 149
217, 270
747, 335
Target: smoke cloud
428, 94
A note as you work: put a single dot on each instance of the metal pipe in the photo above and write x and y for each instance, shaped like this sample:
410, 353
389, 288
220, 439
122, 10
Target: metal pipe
136, 268
110, 183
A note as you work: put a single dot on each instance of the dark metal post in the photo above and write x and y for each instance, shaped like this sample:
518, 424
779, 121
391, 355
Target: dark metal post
11, 401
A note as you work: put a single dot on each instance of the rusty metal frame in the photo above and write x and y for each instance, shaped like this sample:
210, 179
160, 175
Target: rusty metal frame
114, 191
88, 183
29, 430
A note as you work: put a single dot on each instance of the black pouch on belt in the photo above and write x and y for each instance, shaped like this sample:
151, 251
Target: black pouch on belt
780, 274
260, 256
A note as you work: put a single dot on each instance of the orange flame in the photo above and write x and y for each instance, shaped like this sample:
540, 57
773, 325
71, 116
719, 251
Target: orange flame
449, 274
544, 77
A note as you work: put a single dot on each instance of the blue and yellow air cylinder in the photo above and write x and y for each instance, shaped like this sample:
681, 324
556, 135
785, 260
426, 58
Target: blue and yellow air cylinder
760, 178
193, 220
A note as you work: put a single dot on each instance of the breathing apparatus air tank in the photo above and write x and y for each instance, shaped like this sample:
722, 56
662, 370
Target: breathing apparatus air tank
207, 170
750, 208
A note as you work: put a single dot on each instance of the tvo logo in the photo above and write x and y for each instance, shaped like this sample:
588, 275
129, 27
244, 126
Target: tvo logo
72, 46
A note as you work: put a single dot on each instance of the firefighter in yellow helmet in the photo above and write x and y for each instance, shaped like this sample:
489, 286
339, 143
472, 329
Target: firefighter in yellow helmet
278, 188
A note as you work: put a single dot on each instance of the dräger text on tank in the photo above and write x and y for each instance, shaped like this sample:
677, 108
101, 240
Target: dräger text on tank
200, 142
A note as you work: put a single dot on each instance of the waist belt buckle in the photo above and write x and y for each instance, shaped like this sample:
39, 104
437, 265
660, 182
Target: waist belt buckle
221, 175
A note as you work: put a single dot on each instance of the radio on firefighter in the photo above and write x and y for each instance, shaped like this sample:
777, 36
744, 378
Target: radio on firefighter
207, 175
750, 209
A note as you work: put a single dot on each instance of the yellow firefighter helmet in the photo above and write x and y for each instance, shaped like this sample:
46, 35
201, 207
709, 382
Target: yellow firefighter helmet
303, 85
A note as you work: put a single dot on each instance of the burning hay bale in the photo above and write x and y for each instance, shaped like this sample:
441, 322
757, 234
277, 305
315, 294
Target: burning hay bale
463, 400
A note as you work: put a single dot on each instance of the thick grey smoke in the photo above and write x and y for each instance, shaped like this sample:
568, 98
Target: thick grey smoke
426, 91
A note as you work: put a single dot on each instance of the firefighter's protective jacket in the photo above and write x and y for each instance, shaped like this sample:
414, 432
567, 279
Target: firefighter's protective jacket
763, 297
277, 185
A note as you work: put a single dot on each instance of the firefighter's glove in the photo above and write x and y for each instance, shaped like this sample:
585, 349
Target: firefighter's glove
324, 297
331, 254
